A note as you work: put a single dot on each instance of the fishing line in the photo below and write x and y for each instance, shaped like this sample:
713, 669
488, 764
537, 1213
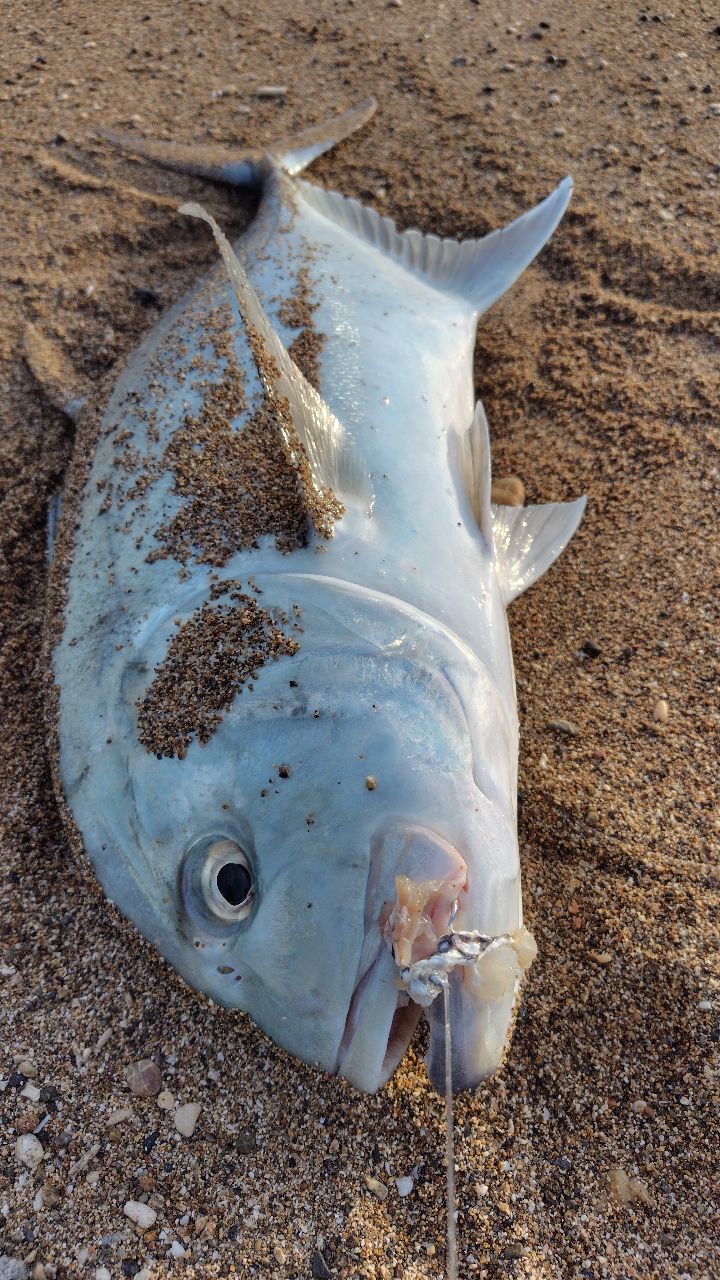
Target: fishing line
449, 1142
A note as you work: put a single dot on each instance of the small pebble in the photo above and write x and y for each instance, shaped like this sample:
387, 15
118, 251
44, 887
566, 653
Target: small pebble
50, 1196
605, 957
508, 491
559, 132
102, 1273
543, 761
320, 1268
13, 1268
404, 1186
661, 711
592, 649
705, 1005
377, 1188
165, 1100
564, 726
117, 1117
176, 1250
27, 1067
370, 783
246, 1142
29, 1151
186, 1118
144, 1078
714, 108
103, 1039
141, 1214
28, 1122
279, 1255
271, 91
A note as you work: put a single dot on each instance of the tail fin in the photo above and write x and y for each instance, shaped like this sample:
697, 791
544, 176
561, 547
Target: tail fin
478, 270
204, 162
295, 153
292, 154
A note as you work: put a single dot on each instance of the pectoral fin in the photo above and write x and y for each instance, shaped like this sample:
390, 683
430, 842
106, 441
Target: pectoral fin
528, 539
54, 372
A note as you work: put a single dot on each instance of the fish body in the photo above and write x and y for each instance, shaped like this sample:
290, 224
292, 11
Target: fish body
284, 678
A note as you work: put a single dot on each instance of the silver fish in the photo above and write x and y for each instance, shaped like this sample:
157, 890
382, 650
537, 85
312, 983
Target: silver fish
287, 730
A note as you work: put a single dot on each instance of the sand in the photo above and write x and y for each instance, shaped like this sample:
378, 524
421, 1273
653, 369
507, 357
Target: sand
599, 375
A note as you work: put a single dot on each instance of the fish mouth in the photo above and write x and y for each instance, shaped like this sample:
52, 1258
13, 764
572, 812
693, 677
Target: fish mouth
416, 881
381, 1017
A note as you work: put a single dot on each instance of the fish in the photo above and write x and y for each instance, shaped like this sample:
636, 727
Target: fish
282, 694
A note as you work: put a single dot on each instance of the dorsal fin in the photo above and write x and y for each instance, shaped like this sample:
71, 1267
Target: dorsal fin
334, 461
528, 540
477, 270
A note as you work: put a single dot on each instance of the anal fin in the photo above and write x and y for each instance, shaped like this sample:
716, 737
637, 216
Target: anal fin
527, 540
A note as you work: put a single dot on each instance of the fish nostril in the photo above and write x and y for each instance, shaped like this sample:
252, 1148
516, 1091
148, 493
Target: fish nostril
234, 882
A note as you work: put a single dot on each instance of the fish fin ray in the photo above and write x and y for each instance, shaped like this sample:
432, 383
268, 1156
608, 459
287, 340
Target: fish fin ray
53, 371
296, 152
527, 540
479, 271
334, 460
475, 469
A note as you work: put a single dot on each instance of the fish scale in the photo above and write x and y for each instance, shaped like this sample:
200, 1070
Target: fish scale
284, 680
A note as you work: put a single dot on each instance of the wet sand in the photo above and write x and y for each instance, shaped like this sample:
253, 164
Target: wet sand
599, 374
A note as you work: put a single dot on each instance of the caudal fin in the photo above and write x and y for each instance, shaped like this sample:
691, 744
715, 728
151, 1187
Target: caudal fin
291, 154
295, 153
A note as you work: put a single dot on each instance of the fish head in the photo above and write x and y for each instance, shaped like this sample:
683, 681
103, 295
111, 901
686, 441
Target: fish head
262, 862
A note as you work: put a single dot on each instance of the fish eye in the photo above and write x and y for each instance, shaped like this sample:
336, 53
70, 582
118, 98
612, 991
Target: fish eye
226, 880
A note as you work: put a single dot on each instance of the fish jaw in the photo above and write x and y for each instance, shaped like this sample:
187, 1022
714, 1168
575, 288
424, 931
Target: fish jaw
431, 881
482, 1001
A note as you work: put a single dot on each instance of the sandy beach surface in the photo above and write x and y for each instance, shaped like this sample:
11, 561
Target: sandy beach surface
594, 1151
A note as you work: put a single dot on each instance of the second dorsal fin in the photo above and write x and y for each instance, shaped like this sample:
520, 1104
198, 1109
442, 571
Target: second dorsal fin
335, 462
479, 271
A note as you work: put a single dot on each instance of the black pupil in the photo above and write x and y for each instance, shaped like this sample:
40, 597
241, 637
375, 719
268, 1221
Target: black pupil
234, 883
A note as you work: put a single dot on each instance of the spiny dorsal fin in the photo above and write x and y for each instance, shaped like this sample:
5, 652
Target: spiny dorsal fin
479, 271
334, 461
528, 540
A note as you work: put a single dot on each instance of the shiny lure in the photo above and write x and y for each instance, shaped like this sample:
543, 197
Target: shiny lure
287, 731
